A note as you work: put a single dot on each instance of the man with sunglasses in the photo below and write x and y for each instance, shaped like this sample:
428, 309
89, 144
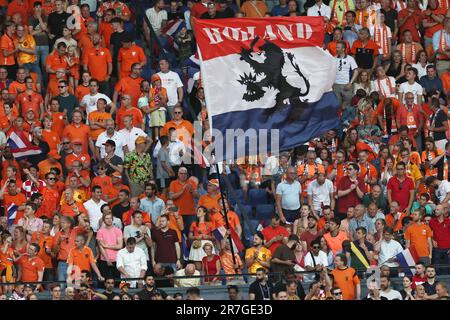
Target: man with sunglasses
337, 293
67, 101
50, 195
350, 190
89, 101
345, 65
30, 99
401, 188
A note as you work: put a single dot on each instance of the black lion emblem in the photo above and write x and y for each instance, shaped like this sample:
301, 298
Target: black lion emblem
271, 69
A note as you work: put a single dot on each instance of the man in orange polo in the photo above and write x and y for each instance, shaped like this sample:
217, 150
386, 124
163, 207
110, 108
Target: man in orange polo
210, 200
130, 85
8, 49
80, 131
57, 60
129, 54
31, 267
98, 61
183, 192
82, 257
184, 128
418, 235
51, 162
128, 109
30, 99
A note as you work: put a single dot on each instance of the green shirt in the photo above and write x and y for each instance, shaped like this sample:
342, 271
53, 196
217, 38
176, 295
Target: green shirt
139, 168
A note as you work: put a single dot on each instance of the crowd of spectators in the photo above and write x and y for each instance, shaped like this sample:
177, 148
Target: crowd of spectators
100, 196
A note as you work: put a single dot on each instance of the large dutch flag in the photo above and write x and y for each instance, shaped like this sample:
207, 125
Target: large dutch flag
271, 74
220, 232
21, 147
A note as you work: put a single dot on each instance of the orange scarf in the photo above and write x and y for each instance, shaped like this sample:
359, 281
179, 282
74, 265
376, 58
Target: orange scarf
412, 53
380, 87
382, 40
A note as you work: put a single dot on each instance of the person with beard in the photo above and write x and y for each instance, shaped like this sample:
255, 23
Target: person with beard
150, 289
311, 234
430, 284
110, 134
284, 257
258, 256
261, 288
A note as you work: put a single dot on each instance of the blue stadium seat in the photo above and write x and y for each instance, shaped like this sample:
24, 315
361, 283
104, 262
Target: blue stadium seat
239, 194
247, 210
247, 233
257, 197
265, 212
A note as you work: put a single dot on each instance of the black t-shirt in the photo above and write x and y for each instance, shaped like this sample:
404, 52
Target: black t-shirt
118, 210
364, 57
174, 15
261, 292
56, 23
227, 13
439, 118
283, 253
110, 295
368, 245
430, 289
149, 294
116, 41
115, 160
389, 19
68, 103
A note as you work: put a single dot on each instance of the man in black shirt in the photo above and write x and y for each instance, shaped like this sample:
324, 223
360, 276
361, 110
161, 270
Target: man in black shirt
66, 100
212, 12
288, 278
261, 289
116, 41
390, 18
57, 20
438, 124
283, 258
150, 289
174, 12
119, 209
109, 288
363, 246
225, 11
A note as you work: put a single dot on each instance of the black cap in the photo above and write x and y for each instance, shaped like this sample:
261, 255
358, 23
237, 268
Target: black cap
110, 142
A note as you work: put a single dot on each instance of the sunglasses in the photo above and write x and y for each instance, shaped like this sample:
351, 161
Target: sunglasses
61, 87
66, 142
51, 179
337, 293
177, 112
316, 247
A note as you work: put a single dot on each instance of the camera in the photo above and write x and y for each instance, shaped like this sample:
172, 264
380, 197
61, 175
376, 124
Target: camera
173, 209
138, 234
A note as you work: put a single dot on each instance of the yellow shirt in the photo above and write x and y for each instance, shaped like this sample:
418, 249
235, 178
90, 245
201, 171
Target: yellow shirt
413, 172
264, 255
28, 43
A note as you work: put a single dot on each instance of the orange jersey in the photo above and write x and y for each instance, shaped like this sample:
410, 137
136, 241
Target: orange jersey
30, 268
7, 43
138, 118
210, 202
44, 242
185, 202
81, 258
80, 91
97, 61
127, 57
81, 132
52, 138
418, 235
45, 166
55, 61
183, 128
131, 86
98, 116
58, 122
104, 182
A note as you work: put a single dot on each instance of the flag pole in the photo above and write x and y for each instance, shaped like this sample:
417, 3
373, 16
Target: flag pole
225, 211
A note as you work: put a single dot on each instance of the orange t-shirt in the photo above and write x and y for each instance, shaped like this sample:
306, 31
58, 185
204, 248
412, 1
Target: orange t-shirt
54, 61
106, 30
58, 122
84, 158
7, 43
82, 259
138, 118
390, 221
66, 245
48, 240
80, 91
81, 132
182, 127
31, 101
346, 280
218, 219
30, 268
210, 202
104, 182
445, 78
185, 202
101, 117
335, 243
131, 86
127, 57
16, 7
97, 61
17, 87
50, 201
112, 192
66, 210
52, 138
418, 235
19, 199
127, 216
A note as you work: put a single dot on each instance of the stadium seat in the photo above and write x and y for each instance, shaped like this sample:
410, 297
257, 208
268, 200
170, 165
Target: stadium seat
257, 197
247, 210
240, 196
247, 233
265, 212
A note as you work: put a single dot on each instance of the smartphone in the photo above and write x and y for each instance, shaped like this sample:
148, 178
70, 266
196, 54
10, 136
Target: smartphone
173, 209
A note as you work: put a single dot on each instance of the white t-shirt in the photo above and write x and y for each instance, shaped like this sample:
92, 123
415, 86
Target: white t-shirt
323, 11
171, 82
389, 250
117, 137
156, 18
391, 295
290, 199
343, 68
385, 88
91, 101
415, 88
131, 136
321, 259
174, 152
442, 191
320, 193
94, 212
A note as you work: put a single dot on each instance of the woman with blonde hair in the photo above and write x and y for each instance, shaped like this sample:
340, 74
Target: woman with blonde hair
200, 233
211, 265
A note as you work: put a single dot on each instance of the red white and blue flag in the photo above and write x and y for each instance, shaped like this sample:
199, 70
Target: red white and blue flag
269, 73
220, 232
11, 213
407, 260
21, 147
